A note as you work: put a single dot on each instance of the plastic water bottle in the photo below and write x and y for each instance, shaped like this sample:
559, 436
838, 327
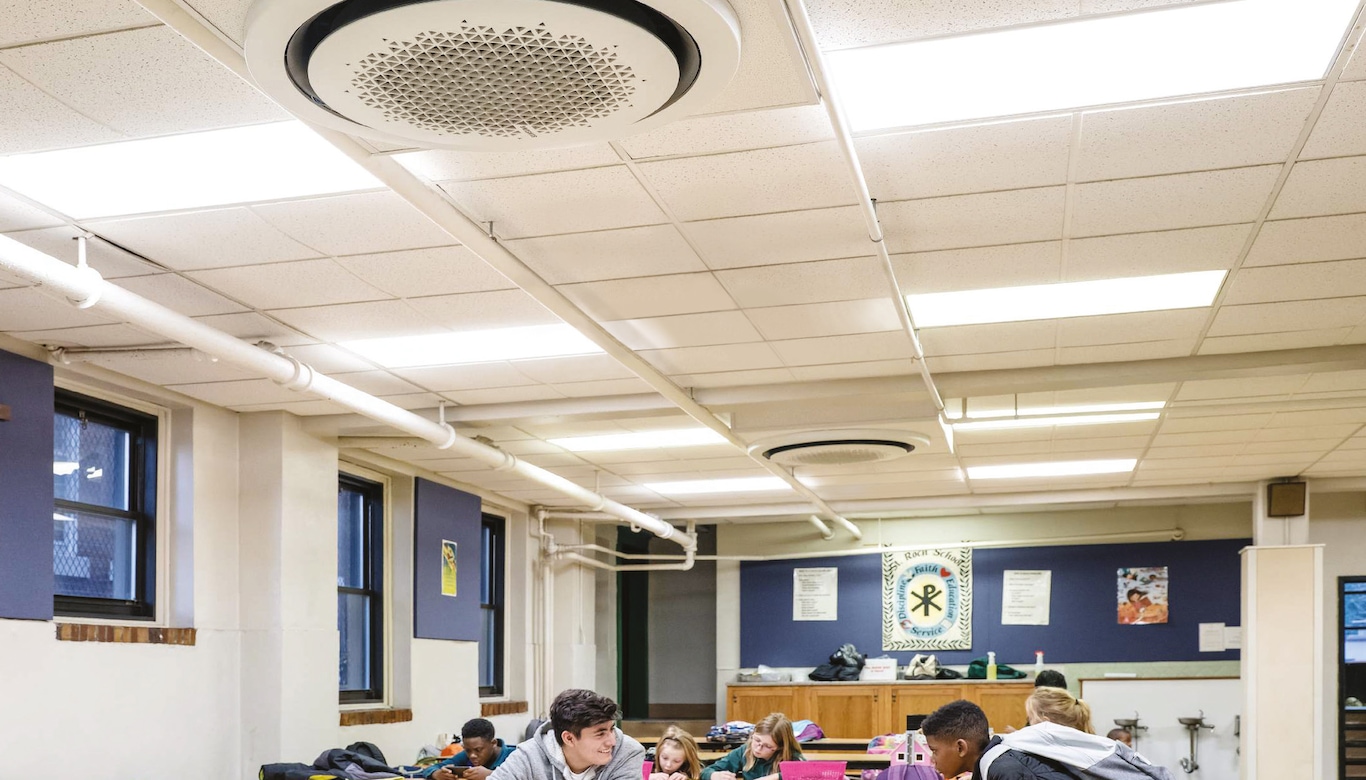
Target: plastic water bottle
991, 665
1038, 663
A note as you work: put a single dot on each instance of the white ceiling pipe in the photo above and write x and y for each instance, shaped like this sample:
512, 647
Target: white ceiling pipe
806, 38
824, 529
477, 239
85, 288
686, 565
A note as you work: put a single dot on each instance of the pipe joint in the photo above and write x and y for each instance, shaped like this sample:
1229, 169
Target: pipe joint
94, 284
451, 436
509, 461
302, 378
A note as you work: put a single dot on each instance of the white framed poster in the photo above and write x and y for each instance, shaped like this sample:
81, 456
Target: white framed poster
815, 593
927, 600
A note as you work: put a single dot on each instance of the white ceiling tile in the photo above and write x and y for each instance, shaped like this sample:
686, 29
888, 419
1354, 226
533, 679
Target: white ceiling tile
1225, 422
1260, 342
414, 401
229, 16
17, 215
27, 22
604, 387
170, 367
289, 285
1137, 326
180, 294
978, 158
996, 337
771, 72
991, 361
503, 395
843, 349
109, 260
817, 282
732, 133
984, 219
328, 359
1192, 135
1336, 380
255, 327
1166, 202
31, 120
484, 310
1196, 438
843, 24
447, 165
1112, 353
684, 330
1309, 240
1356, 66
1096, 395
608, 254
204, 239
867, 368
1112, 6
473, 376
143, 82
241, 392
358, 320
1009, 265
789, 178
1356, 414
1303, 281
579, 368
355, 224
552, 203
1322, 187
758, 376
1338, 131
837, 318
1146, 254
316, 407
376, 382
1288, 316
90, 336
654, 296
444, 270
724, 357
791, 237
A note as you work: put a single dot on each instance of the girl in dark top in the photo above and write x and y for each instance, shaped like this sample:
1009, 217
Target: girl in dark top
758, 759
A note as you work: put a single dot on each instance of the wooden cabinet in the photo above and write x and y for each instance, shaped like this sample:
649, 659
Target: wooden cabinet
847, 710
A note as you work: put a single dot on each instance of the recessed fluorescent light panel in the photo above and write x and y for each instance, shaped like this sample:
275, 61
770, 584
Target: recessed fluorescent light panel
479, 346
735, 485
1073, 468
1067, 299
178, 172
1188, 50
644, 440
953, 409
1047, 422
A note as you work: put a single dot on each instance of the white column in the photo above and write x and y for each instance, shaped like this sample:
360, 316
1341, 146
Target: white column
1282, 662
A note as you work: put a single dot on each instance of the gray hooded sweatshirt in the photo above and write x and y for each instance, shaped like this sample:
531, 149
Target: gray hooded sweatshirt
541, 758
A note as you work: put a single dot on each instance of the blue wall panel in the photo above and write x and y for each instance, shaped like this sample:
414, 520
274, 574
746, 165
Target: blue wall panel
1204, 588
26, 579
441, 513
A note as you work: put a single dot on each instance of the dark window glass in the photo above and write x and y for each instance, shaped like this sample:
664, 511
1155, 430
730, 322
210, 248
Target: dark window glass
491, 554
104, 515
360, 575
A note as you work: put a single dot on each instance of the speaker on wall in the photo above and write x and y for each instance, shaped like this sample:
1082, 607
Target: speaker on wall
1285, 499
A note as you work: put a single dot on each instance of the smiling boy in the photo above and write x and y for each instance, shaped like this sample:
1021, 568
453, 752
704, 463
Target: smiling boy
580, 742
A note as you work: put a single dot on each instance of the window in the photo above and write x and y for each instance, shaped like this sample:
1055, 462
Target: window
104, 465
360, 574
491, 606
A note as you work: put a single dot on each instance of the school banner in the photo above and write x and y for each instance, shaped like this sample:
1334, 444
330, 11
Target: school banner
927, 600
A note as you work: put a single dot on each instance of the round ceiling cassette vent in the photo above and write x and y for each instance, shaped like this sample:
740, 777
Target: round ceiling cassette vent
492, 74
839, 448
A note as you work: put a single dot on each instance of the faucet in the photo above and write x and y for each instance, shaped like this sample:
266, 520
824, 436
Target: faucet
1193, 725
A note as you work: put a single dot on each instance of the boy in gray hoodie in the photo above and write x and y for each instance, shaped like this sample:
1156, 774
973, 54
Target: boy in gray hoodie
580, 742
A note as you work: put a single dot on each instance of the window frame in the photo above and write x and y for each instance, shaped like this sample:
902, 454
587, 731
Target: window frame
494, 564
375, 493
146, 430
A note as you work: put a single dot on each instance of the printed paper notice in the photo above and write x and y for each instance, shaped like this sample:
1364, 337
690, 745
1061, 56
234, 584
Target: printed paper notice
1212, 638
1025, 595
815, 593
1233, 637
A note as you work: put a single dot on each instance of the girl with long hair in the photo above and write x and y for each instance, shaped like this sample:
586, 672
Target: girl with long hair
768, 747
676, 756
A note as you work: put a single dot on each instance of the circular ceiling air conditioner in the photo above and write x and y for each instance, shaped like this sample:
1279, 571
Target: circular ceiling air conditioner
491, 74
839, 447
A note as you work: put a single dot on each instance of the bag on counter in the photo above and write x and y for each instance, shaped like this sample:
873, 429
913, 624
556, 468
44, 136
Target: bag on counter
977, 670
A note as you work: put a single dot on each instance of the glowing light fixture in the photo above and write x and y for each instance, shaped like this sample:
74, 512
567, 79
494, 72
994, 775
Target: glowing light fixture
688, 437
1071, 468
1045, 422
478, 346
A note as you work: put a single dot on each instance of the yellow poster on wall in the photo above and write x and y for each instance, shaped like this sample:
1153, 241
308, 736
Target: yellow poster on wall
447, 567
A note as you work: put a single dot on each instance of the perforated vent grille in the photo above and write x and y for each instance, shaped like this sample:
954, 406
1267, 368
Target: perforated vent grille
838, 453
516, 82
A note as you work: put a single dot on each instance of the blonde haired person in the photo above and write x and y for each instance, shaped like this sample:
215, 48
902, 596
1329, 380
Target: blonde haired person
1056, 705
676, 756
758, 759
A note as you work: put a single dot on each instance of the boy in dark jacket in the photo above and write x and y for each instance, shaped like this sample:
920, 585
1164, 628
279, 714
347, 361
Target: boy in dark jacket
483, 753
958, 735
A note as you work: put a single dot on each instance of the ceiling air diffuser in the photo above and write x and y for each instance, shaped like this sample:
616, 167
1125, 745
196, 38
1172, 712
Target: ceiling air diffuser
491, 74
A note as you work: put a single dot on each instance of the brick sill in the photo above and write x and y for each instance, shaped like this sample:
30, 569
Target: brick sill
490, 708
374, 717
141, 635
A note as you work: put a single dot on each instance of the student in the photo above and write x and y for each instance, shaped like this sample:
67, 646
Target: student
1056, 705
1050, 678
483, 754
1121, 736
579, 742
758, 759
676, 756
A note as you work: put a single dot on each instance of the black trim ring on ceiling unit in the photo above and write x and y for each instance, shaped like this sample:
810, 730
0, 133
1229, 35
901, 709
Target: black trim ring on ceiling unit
806, 445
313, 32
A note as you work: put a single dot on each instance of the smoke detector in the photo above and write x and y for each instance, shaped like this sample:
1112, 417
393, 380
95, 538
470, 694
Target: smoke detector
491, 74
839, 447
